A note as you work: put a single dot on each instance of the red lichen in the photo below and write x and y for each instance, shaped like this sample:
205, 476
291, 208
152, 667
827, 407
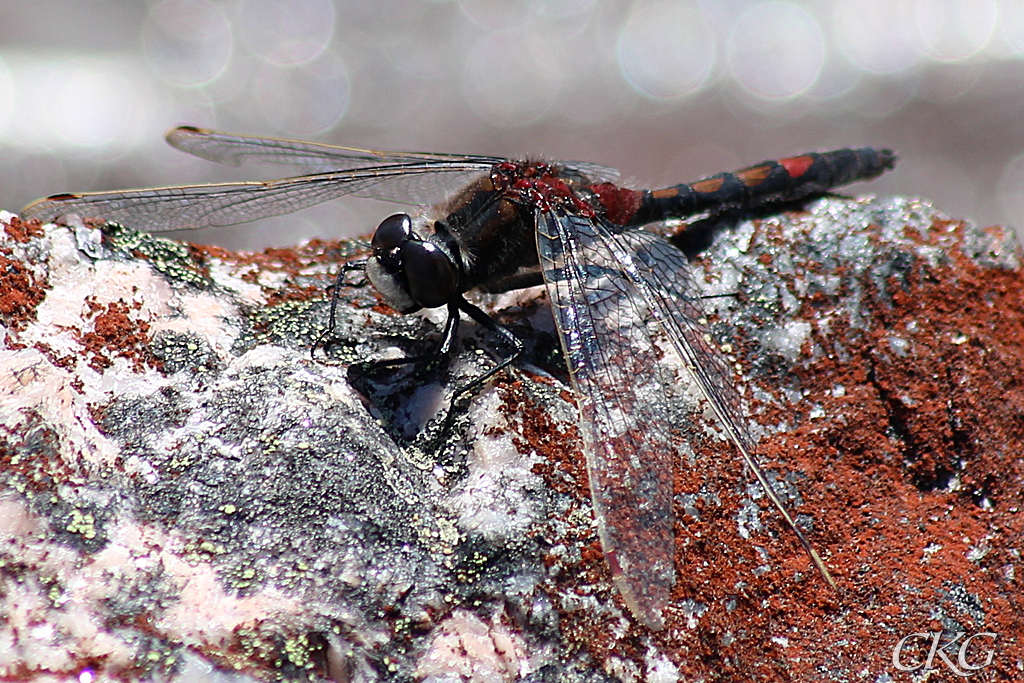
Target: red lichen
116, 333
21, 230
878, 469
293, 262
30, 453
20, 292
61, 360
875, 476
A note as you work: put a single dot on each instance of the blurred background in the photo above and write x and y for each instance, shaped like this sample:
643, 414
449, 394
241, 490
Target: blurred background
666, 90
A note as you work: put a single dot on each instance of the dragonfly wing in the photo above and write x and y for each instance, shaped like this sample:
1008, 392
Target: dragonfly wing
313, 157
226, 148
620, 381
402, 177
598, 173
661, 273
200, 206
414, 187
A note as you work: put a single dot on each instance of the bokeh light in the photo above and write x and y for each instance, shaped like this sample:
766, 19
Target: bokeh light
1011, 190
187, 42
667, 90
499, 15
876, 35
8, 103
306, 99
89, 103
776, 50
666, 49
1011, 27
286, 32
955, 29
511, 79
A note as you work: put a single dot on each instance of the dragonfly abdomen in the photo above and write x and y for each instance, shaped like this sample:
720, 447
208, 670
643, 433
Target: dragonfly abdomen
770, 182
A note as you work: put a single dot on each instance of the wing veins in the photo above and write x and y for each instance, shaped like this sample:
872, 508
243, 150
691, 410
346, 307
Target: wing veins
199, 206
629, 474
734, 426
235, 150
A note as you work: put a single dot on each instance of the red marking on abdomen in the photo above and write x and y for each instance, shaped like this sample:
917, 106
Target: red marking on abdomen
755, 175
619, 204
796, 166
707, 185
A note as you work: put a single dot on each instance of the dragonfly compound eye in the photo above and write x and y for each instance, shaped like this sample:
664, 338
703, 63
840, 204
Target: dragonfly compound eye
413, 274
430, 274
392, 232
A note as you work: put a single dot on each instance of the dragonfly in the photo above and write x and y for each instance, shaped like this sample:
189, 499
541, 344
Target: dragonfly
623, 298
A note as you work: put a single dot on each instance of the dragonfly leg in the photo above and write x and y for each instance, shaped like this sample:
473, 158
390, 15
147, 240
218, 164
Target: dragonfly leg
449, 334
350, 267
506, 335
451, 331
435, 443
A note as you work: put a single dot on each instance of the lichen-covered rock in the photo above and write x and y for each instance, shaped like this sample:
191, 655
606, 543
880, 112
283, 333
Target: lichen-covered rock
186, 494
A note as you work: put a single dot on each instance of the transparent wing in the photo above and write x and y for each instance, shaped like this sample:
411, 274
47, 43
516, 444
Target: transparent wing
662, 275
201, 206
597, 173
614, 293
235, 150
226, 148
620, 385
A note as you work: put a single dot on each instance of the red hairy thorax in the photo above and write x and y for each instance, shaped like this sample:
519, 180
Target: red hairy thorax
538, 184
620, 204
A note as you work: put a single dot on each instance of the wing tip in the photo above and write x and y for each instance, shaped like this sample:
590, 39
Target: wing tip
645, 590
822, 568
647, 604
40, 209
179, 134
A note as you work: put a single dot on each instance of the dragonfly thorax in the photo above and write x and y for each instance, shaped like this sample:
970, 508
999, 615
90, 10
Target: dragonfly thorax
409, 272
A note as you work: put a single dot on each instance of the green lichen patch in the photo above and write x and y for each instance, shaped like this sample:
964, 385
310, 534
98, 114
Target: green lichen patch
174, 259
293, 324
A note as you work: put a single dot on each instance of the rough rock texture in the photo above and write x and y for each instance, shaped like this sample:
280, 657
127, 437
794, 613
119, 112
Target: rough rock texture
186, 495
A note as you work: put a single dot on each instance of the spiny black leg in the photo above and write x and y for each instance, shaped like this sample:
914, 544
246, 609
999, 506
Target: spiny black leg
451, 331
434, 443
512, 340
350, 267
449, 335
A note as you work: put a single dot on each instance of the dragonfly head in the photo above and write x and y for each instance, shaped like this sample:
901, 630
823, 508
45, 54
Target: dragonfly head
409, 272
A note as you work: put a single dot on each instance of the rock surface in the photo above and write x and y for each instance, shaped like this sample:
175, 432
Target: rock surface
186, 495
